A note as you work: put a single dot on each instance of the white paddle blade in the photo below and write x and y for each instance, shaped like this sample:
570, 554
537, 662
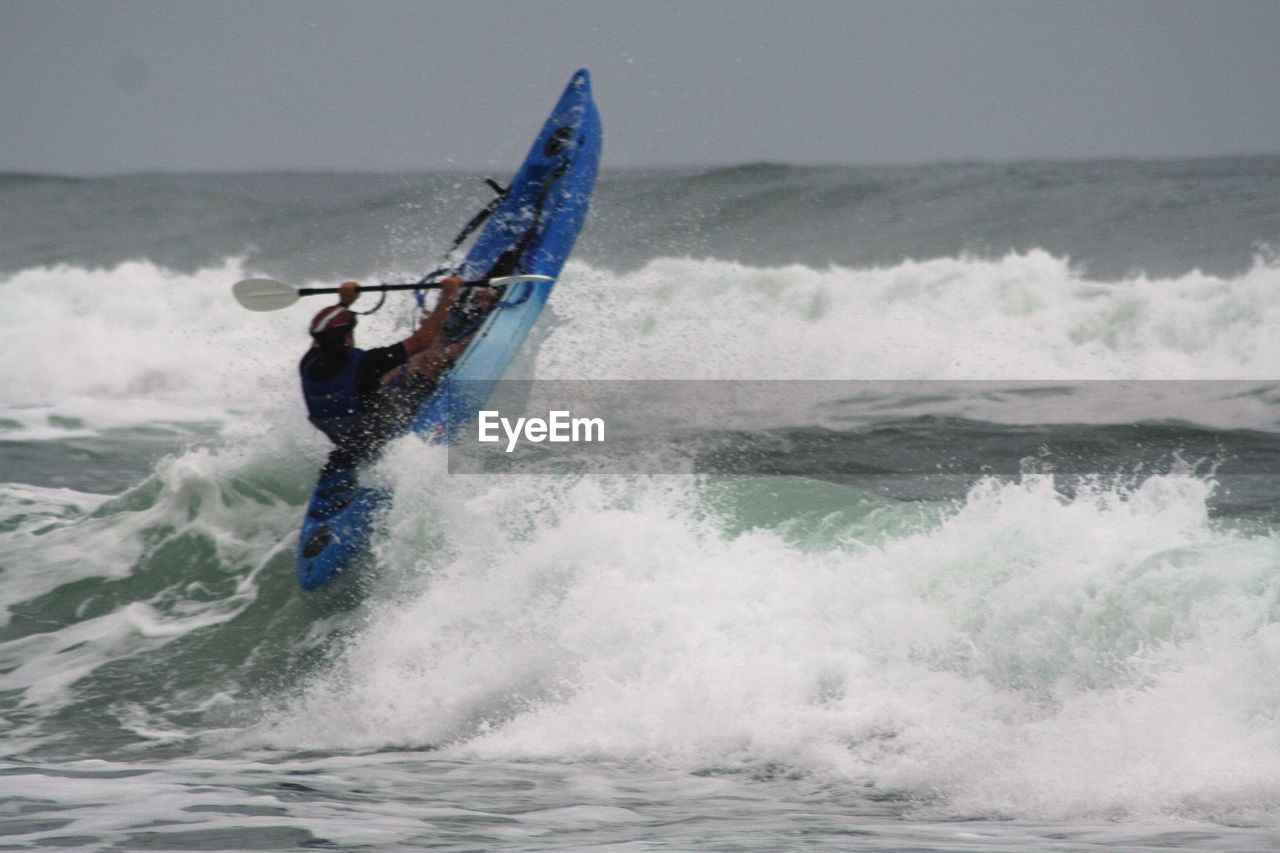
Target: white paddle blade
264, 294
514, 279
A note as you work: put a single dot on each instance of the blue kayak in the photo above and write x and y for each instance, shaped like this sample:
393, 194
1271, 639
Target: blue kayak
530, 229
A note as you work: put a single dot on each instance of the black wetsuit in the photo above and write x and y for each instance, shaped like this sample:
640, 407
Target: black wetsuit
377, 418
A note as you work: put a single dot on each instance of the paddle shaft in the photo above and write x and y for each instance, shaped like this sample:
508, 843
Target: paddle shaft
435, 285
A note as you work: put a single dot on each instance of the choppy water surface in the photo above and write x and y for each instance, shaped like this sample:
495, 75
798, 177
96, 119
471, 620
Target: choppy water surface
836, 644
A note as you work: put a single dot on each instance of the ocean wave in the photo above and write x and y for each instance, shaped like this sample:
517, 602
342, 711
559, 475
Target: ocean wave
1020, 654
139, 344
1025, 650
1022, 316
1113, 218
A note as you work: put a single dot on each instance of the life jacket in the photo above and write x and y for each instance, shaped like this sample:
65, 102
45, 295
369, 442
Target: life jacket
333, 405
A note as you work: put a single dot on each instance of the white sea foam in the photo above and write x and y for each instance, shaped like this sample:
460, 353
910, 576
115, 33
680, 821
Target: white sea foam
137, 344
141, 345
1027, 654
1019, 317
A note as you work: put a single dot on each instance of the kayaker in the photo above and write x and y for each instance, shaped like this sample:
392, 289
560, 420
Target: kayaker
346, 395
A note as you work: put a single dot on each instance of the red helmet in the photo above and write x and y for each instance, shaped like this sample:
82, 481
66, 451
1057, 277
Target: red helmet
331, 318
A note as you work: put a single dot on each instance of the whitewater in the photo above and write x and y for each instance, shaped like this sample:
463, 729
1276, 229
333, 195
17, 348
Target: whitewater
1081, 652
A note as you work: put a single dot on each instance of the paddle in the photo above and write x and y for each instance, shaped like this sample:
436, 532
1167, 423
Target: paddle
266, 294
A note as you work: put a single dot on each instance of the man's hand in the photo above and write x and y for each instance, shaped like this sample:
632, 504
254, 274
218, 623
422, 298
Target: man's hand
430, 331
348, 292
450, 287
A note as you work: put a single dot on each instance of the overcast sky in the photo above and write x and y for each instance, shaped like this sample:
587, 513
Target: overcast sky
125, 85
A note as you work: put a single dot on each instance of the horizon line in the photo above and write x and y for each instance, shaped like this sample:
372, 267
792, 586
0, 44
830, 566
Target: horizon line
8, 172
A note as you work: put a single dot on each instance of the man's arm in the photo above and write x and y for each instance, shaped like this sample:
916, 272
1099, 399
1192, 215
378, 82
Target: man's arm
431, 329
